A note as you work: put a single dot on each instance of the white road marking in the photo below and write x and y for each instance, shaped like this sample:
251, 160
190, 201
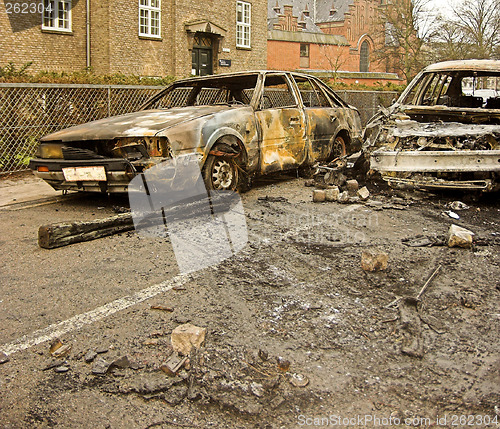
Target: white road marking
76, 322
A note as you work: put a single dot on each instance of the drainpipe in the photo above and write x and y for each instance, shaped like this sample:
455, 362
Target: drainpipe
87, 23
173, 38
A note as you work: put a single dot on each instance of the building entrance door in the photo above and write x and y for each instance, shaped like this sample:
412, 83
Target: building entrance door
202, 62
202, 55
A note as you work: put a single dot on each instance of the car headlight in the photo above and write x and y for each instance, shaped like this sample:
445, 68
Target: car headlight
50, 151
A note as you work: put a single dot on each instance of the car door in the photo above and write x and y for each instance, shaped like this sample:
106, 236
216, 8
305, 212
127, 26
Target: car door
282, 125
323, 118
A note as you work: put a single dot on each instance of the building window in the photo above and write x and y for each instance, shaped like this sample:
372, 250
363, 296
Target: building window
364, 57
149, 18
304, 55
57, 15
243, 24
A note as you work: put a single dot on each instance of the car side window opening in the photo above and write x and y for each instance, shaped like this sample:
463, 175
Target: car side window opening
277, 93
312, 95
430, 93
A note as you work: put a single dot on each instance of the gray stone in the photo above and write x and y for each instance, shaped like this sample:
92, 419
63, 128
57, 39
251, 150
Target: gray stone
90, 356
100, 366
61, 369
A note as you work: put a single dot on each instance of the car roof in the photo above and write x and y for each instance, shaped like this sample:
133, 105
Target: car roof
241, 74
465, 65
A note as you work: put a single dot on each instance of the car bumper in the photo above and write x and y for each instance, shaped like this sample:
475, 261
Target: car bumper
466, 169
108, 175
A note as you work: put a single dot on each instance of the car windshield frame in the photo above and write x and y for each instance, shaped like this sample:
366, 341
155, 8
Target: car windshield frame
228, 90
445, 88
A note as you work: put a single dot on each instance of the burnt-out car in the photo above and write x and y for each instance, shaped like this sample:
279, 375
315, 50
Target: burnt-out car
443, 132
239, 125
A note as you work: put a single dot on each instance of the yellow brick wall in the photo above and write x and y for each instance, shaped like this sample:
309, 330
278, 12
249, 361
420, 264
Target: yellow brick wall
22, 40
115, 43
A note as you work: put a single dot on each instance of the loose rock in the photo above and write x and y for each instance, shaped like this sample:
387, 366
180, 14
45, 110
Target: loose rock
121, 362
332, 194
319, 196
100, 366
459, 237
374, 261
352, 187
187, 336
363, 193
3, 358
90, 356
62, 351
61, 369
343, 197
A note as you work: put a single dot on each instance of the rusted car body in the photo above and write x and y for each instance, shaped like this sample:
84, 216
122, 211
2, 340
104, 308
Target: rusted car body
443, 132
239, 125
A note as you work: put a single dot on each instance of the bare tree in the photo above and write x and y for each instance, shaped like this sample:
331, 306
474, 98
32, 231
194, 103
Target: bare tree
335, 57
473, 31
407, 25
478, 22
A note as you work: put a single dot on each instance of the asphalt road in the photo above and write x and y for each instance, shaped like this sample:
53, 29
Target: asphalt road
295, 291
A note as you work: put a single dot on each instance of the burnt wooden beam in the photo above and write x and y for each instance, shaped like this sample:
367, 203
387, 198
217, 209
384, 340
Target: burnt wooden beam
63, 234
66, 233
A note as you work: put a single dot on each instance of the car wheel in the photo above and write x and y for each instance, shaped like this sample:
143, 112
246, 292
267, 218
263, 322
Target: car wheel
339, 148
220, 173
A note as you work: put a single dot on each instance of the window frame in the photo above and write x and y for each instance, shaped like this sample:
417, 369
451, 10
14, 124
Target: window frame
364, 57
305, 56
242, 41
149, 18
55, 19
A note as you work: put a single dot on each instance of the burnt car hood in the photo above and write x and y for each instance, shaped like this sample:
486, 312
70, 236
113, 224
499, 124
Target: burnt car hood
138, 124
400, 128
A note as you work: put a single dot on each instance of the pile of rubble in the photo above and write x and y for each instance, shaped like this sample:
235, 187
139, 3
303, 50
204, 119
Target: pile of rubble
332, 183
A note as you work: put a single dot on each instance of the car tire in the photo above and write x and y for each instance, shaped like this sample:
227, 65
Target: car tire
339, 148
220, 173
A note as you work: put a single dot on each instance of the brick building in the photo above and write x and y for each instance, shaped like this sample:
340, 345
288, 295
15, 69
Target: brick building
141, 37
329, 36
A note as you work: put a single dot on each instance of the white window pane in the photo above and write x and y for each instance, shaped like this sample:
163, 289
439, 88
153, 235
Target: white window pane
57, 14
149, 17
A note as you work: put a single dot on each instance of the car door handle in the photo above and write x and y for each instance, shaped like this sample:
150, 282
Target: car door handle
294, 120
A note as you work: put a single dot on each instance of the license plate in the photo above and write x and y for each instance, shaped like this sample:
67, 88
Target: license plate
84, 174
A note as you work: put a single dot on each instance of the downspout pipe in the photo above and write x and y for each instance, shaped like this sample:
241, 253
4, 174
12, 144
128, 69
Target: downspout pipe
87, 24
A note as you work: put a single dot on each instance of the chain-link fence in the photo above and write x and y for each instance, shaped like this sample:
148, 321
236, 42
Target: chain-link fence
368, 102
30, 111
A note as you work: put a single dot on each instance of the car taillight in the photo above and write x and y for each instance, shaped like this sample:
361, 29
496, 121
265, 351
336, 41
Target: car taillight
42, 169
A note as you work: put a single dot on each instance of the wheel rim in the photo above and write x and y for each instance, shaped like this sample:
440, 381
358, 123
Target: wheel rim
222, 175
338, 147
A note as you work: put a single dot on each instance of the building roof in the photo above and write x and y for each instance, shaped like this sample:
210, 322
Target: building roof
319, 11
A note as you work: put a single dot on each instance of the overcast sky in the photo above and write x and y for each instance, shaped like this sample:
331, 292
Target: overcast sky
443, 6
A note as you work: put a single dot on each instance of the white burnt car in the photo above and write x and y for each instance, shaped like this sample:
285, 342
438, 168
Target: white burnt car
443, 132
239, 125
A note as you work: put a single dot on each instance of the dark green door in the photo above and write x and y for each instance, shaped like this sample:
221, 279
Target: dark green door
202, 61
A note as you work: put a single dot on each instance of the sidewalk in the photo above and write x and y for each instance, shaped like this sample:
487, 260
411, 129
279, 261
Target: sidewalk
23, 189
